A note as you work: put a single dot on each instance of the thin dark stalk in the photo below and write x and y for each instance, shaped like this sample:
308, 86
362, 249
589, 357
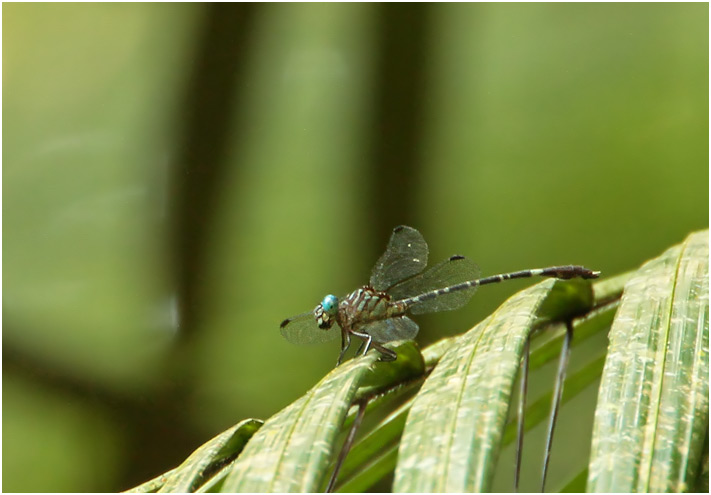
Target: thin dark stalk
557, 397
521, 412
347, 445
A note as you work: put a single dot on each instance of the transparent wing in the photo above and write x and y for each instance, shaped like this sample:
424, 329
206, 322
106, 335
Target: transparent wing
303, 329
398, 328
405, 256
455, 270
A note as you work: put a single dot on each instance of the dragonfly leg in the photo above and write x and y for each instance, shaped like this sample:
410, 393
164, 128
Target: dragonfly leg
367, 340
345, 344
388, 355
360, 348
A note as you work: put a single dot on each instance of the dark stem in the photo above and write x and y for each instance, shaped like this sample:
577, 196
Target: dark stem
557, 397
347, 444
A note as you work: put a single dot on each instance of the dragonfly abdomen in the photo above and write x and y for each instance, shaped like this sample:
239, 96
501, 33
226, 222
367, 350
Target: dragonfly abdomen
561, 272
411, 301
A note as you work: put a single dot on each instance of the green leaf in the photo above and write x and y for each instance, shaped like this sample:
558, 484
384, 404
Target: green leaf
652, 413
453, 432
381, 464
357, 472
702, 479
566, 300
292, 450
365, 465
382, 375
576, 484
152, 485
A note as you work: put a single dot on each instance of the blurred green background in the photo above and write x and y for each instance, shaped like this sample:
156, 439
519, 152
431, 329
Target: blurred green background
179, 178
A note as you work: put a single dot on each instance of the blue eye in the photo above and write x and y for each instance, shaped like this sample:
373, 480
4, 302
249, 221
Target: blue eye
330, 304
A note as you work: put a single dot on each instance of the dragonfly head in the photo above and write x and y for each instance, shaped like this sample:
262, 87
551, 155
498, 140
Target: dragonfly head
326, 311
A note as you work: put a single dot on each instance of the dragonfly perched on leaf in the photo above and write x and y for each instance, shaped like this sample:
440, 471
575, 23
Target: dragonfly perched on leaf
399, 285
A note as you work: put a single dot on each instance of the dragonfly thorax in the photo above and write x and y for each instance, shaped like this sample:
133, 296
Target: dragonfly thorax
366, 305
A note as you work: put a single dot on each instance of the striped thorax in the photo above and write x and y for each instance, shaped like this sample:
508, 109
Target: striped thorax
366, 305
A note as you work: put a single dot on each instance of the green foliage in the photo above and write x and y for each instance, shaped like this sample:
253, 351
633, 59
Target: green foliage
652, 414
178, 178
440, 428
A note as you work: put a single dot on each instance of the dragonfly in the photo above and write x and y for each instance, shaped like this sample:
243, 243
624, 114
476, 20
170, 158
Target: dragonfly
399, 285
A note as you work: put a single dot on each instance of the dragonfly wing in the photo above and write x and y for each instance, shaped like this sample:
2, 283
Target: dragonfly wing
398, 328
455, 270
405, 256
303, 329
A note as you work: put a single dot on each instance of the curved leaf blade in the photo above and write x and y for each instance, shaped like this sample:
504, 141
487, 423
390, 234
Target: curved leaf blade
370, 449
367, 460
383, 375
381, 464
152, 485
291, 452
453, 433
652, 413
